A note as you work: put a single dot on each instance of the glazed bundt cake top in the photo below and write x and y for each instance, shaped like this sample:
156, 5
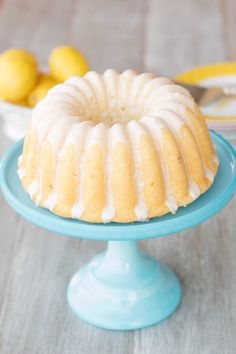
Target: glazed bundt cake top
112, 98
140, 102
111, 108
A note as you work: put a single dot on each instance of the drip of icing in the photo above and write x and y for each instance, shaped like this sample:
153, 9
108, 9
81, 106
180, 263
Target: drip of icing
71, 129
155, 126
215, 159
20, 159
51, 201
56, 139
209, 174
115, 136
194, 190
56, 136
109, 211
43, 128
78, 138
135, 132
77, 209
76, 135
171, 204
99, 135
118, 135
173, 121
141, 211
21, 172
32, 188
96, 135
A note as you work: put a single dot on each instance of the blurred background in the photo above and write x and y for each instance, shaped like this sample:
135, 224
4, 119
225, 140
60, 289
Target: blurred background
160, 36
166, 37
163, 36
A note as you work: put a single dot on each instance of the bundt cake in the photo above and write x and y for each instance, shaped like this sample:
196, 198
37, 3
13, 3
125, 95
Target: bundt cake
117, 147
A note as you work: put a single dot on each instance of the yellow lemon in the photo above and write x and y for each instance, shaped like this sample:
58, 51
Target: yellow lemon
45, 82
23, 103
67, 61
18, 74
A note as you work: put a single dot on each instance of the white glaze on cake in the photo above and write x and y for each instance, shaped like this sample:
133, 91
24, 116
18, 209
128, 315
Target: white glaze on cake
215, 159
21, 172
32, 189
109, 210
136, 131
104, 110
155, 126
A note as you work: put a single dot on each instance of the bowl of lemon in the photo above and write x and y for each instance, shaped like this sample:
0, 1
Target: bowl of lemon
23, 84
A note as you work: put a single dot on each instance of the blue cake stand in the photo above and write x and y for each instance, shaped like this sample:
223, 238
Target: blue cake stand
124, 288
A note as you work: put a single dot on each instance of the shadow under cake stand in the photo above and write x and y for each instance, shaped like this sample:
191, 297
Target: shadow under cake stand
124, 288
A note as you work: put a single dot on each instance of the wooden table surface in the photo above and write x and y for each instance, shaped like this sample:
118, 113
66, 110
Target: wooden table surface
35, 265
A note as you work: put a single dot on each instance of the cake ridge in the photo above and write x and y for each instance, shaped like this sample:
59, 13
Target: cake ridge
175, 123
155, 126
135, 131
108, 212
78, 207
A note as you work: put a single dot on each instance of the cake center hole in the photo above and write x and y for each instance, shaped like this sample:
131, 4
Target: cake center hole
116, 113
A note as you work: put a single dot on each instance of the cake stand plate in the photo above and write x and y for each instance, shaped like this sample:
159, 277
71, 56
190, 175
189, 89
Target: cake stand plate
123, 288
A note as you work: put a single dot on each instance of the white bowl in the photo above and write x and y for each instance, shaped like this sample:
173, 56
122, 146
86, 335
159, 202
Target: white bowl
15, 119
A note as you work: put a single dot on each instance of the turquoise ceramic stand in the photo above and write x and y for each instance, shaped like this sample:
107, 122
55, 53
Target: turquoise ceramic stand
124, 288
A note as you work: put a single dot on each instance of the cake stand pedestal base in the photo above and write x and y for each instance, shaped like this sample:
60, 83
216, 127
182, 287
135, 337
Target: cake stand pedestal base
124, 288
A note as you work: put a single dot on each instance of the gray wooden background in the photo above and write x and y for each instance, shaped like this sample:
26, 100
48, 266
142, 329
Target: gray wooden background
166, 37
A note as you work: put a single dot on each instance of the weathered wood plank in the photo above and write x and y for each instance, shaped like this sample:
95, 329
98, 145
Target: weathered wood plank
35, 315
9, 227
203, 258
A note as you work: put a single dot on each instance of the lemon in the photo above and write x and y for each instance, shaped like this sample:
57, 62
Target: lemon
45, 82
18, 74
23, 103
67, 61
